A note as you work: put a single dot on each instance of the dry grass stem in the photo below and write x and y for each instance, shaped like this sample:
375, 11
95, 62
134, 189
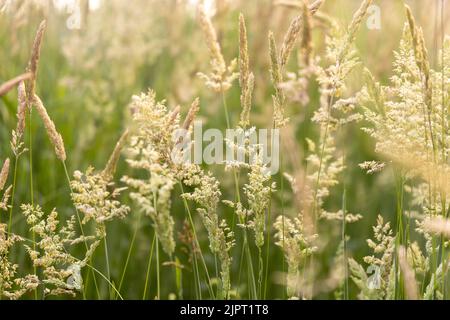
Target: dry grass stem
8, 85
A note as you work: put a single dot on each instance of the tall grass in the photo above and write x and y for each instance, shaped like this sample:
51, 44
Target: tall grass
358, 209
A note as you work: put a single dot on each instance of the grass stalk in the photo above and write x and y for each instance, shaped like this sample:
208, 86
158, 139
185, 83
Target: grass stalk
158, 276
238, 197
13, 192
269, 211
108, 270
130, 249
147, 276
30, 154
197, 243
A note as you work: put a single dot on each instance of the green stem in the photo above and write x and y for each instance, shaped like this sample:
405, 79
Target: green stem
30, 154
107, 280
197, 243
236, 184
344, 241
147, 276
12, 197
241, 263
158, 284
250, 266
344, 227
122, 277
268, 247
444, 147
260, 273
108, 271
399, 236
198, 287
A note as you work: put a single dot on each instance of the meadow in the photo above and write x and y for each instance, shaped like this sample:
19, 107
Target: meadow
95, 204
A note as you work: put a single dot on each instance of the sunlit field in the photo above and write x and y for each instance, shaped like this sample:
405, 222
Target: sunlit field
225, 149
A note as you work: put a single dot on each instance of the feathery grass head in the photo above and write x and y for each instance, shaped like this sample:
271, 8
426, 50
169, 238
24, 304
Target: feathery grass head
217, 60
275, 69
420, 51
353, 27
207, 195
246, 78
437, 225
301, 23
193, 110
306, 38
380, 285
34, 60
54, 136
3, 178
174, 115
289, 40
246, 101
4, 174
243, 53
358, 16
17, 134
258, 191
277, 77
296, 246
110, 168
150, 147
94, 195
21, 108
414, 32
221, 77
12, 287
59, 270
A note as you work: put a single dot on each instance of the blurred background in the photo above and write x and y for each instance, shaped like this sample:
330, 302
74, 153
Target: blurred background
96, 54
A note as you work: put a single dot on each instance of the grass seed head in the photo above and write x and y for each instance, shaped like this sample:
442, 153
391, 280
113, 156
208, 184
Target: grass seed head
193, 110
54, 136
34, 59
110, 168
21, 109
4, 174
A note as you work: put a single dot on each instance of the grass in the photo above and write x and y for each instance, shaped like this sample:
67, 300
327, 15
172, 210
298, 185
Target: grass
357, 209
